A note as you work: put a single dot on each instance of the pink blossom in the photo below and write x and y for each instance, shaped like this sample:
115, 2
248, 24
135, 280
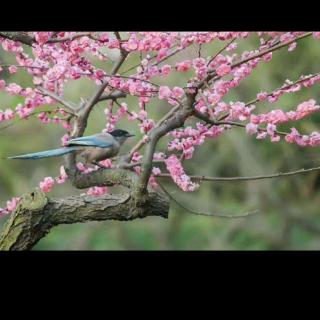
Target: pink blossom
156, 171
2, 84
146, 125
3, 212
262, 96
166, 69
316, 35
271, 128
97, 191
232, 47
251, 128
12, 204
13, 69
183, 66
262, 135
66, 125
136, 157
158, 156
267, 57
62, 177
164, 92
8, 114
123, 109
162, 54
47, 184
42, 37
107, 163
223, 69
153, 182
239, 111
178, 92
13, 89
214, 98
292, 46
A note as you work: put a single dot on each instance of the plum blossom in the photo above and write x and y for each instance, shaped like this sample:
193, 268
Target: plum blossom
223, 69
178, 175
13, 69
2, 84
53, 65
262, 96
12, 204
97, 191
166, 69
62, 177
164, 92
47, 184
183, 66
251, 128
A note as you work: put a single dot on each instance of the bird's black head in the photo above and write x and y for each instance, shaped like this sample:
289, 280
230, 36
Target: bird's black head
118, 133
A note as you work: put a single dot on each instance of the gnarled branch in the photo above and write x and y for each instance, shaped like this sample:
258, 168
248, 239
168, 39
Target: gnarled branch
36, 214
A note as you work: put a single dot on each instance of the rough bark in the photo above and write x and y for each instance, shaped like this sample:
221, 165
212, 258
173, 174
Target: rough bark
36, 214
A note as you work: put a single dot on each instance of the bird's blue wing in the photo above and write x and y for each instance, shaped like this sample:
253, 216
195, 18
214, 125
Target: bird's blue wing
92, 141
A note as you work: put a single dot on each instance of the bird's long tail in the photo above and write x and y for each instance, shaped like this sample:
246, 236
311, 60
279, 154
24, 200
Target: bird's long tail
45, 154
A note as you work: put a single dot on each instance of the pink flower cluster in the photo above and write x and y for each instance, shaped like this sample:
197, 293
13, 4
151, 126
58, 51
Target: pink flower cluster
171, 95
289, 87
53, 64
312, 140
8, 114
48, 182
187, 138
178, 175
278, 116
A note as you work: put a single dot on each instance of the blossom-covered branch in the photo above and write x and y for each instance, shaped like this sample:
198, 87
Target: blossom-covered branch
178, 96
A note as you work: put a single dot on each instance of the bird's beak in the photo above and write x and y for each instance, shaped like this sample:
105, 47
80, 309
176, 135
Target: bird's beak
129, 135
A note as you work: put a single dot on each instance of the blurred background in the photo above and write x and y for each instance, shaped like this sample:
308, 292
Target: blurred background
288, 216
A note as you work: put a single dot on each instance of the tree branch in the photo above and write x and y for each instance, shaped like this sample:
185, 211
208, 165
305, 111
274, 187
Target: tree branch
18, 36
203, 117
67, 105
177, 120
36, 214
260, 177
212, 76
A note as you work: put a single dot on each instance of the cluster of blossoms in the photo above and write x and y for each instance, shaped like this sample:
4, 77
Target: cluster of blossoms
186, 139
278, 116
178, 175
58, 58
48, 182
311, 140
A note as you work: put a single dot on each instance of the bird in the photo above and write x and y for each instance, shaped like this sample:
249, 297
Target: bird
93, 148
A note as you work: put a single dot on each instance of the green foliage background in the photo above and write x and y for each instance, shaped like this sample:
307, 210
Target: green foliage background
288, 215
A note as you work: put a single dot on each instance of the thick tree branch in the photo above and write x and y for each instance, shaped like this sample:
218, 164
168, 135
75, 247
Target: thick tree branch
112, 96
36, 214
29, 40
18, 36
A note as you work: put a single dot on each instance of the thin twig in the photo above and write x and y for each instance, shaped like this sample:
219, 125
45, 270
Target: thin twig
68, 106
260, 177
215, 214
